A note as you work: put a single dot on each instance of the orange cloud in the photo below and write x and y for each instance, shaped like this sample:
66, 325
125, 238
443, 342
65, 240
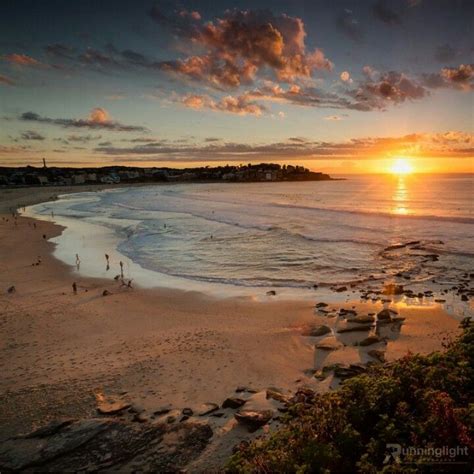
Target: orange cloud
98, 119
345, 76
239, 105
21, 60
461, 76
99, 115
241, 44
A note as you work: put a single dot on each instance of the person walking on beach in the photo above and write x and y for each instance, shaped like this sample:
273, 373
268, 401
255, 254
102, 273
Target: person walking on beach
74, 288
121, 269
78, 261
107, 260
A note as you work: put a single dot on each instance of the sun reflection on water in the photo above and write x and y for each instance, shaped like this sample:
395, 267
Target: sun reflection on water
400, 197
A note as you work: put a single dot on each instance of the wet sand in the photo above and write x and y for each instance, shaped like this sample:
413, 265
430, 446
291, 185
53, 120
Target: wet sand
59, 349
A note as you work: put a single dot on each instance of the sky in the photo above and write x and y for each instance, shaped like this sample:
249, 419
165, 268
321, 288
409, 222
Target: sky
337, 86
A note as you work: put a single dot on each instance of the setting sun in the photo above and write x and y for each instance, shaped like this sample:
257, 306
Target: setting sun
401, 166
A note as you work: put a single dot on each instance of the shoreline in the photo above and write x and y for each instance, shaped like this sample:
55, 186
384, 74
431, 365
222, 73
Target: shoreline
165, 347
72, 242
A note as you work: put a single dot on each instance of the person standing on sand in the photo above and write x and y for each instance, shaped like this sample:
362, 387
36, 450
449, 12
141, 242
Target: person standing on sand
107, 260
121, 269
74, 288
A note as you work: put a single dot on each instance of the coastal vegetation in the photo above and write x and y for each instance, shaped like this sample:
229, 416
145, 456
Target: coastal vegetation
412, 415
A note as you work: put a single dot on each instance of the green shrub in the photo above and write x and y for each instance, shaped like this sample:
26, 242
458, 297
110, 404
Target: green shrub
420, 401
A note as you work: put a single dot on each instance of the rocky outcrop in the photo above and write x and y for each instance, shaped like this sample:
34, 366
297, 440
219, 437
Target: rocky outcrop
233, 402
360, 328
100, 444
376, 354
316, 331
345, 372
384, 315
361, 319
253, 419
368, 341
276, 394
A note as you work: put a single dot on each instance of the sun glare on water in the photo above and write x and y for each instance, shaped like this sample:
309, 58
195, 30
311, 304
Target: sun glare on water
401, 166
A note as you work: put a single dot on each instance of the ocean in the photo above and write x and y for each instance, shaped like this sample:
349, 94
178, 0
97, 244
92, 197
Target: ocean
249, 238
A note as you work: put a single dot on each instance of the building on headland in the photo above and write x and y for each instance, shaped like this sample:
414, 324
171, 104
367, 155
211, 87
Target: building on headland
55, 176
78, 178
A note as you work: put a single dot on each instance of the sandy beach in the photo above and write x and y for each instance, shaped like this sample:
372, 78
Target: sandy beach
159, 347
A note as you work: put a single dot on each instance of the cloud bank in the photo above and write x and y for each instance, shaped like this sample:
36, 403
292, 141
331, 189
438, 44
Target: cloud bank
98, 119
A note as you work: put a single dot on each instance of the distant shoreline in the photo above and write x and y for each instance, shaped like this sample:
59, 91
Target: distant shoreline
263, 172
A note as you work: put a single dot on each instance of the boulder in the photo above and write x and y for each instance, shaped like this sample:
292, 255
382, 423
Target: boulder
376, 354
316, 331
110, 405
328, 346
361, 320
253, 419
233, 402
345, 372
321, 305
275, 394
359, 328
162, 410
345, 312
384, 315
368, 341
207, 408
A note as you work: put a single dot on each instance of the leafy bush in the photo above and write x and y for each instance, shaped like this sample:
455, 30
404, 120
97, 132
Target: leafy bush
419, 401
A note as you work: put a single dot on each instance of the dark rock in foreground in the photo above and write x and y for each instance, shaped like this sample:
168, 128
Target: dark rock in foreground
384, 315
316, 331
347, 372
105, 444
253, 419
368, 341
360, 328
276, 394
233, 402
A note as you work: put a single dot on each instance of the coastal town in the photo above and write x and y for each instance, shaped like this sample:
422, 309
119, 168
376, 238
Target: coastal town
62, 176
